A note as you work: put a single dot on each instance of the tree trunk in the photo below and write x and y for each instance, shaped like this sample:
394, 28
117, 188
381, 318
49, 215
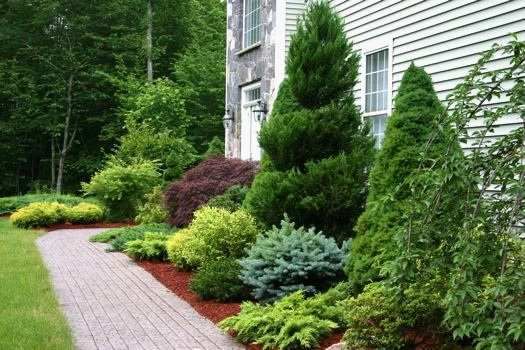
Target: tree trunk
66, 141
53, 174
149, 41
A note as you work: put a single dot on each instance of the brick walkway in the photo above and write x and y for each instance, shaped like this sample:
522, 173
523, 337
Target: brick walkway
111, 303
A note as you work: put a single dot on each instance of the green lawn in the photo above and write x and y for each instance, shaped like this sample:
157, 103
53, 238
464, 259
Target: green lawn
29, 314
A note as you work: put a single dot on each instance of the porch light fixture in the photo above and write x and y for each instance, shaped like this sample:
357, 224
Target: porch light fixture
260, 111
228, 118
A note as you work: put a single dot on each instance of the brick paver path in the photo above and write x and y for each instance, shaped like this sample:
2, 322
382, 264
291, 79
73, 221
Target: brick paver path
111, 303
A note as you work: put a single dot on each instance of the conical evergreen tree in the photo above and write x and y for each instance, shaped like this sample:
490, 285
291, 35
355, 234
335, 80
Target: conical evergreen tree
321, 53
415, 120
317, 154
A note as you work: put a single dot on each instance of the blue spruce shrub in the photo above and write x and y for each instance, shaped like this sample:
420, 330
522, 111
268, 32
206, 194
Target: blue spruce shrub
286, 259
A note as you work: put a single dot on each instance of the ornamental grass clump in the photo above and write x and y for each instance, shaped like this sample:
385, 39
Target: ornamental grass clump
288, 259
316, 151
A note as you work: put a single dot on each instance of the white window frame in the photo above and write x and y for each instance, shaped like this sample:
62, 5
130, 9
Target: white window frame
244, 31
244, 105
368, 49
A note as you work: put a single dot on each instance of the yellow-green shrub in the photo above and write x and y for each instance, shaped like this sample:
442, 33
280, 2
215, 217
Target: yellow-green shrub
39, 214
84, 213
214, 234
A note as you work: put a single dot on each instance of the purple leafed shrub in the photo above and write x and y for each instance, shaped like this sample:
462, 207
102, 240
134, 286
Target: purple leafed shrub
210, 178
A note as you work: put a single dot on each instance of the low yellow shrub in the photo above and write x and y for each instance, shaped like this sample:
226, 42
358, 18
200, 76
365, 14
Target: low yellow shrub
42, 214
39, 214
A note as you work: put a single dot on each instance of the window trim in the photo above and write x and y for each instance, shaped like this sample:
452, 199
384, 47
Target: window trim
372, 48
257, 43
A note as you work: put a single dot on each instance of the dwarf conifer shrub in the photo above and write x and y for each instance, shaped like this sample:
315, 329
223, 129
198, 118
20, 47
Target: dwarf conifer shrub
293, 322
414, 122
210, 178
213, 234
316, 152
219, 280
288, 259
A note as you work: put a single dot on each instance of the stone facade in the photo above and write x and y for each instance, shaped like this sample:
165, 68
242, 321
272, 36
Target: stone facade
244, 67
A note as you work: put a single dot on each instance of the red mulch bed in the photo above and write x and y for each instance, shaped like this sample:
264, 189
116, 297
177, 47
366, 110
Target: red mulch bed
179, 283
96, 225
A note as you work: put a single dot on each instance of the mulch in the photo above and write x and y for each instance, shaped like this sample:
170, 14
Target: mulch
68, 226
179, 283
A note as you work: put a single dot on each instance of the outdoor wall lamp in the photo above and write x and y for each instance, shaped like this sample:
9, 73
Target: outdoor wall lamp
261, 111
228, 118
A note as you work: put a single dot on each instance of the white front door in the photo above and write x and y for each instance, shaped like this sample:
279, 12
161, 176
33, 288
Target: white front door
250, 127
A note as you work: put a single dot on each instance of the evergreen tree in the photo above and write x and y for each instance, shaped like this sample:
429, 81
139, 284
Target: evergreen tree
415, 120
320, 53
317, 154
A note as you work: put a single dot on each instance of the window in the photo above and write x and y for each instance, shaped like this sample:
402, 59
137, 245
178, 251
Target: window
252, 22
376, 92
250, 126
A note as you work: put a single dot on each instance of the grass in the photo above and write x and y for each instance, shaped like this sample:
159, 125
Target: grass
30, 317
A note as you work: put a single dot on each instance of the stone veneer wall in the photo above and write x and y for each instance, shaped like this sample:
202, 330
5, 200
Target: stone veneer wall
243, 68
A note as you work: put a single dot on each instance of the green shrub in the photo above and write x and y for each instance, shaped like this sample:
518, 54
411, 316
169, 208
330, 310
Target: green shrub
10, 204
317, 154
153, 210
378, 317
293, 322
151, 247
287, 259
122, 187
118, 237
172, 152
231, 200
415, 120
39, 215
328, 194
214, 234
176, 247
85, 213
219, 280
215, 148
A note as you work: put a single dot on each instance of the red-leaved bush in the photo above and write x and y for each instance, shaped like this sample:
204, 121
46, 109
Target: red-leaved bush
210, 178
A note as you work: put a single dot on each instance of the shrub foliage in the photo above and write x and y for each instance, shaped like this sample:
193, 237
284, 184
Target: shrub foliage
210, 178
151, 247
287, 259
294, 322
219, 280
230, 200
213, 234
153, 209
122, 187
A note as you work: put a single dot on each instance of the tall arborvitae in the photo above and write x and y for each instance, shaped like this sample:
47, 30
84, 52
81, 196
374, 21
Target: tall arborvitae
415, 120
316, 153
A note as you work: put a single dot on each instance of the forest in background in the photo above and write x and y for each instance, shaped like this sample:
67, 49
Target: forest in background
73, 74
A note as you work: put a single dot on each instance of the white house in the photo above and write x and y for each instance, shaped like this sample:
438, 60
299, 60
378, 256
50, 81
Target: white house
445, 37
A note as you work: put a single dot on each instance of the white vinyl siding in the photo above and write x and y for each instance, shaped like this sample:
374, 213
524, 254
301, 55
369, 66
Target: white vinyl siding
444, 37
252, 23
294, 11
